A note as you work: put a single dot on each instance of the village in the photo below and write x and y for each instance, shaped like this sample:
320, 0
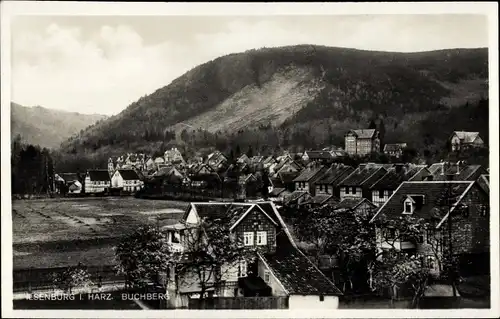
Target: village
280, 207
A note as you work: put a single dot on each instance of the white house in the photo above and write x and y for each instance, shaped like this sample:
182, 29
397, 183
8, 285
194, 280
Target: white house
127, 179
97, 181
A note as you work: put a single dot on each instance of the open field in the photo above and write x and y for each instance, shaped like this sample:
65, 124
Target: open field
61, 232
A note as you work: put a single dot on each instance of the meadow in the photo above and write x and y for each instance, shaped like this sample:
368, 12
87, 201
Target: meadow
59, 232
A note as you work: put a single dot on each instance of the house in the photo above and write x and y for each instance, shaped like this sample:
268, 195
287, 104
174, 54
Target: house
360, 206
268, 161
362, 142
150, 164
286, 165
67, 183
127, 180
297, 198
243, 159
383, 188
459, 171
285, 180
308, 177
395, 149
328, 183
248, 185
357, 184
159, 161
173, 156
216, 160
324, 157
97, 181
461, 140
453, 210
274, 266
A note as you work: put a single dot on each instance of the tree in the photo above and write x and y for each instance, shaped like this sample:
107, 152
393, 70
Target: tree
72, 277
373, 125
250, 151
400, 269
144, 256
210, 253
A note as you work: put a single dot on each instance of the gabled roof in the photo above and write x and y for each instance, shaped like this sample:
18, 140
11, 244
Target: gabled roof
392, 179
434, 194
310, 173
298, 275
99, 175
363, 174
352, 203
364, 133
256, 159
295, 195
68, 177
466, 137
336, 173
394, 147
484, 182
277, 191
320, 199
128, 174
458, 172
288, 177
322, 155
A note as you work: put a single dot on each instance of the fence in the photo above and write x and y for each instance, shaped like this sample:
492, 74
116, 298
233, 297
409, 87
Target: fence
239, 303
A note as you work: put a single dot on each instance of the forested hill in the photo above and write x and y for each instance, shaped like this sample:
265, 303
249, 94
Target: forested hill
47, 127
303, 90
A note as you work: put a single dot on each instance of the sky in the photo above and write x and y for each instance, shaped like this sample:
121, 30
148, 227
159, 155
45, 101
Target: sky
101, 64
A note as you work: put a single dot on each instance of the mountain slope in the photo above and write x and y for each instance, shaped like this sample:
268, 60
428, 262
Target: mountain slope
47, 127
328, 89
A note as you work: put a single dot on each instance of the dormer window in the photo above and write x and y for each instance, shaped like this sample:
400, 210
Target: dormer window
408, 206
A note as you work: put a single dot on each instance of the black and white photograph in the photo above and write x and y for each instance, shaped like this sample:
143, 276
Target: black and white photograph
243, 159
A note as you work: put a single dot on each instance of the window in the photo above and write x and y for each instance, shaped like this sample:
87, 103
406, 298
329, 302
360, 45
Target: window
321, 188
261, 238
248, 238
380, 194
321, 298
347, 190
354, 190
266, 276
242, 268
408, 208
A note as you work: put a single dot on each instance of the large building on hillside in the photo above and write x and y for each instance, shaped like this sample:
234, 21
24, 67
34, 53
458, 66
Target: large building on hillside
362, 142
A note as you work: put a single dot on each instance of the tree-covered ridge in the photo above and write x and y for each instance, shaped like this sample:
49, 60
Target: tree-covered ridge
348, 88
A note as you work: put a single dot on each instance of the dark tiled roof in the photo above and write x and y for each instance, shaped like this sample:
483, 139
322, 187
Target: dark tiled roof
361, 173
374, 177
288, 177
298, 274
308, 174
99, 175
295, 195
466, 137
268, 208
128, 174
323, 155
320, 198
459, 173
434, 194
335, 174
209, 178
276, 191
394, 147
349, 203
392, 179
365, 133
69, 177
232, 210
484, 182
277, 183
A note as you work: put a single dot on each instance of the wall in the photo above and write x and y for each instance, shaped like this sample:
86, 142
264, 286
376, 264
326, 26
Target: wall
313, 302
376, 197
117, 180
94, 186
350, 144
276, 288
343, 194
257, 221
364, 146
